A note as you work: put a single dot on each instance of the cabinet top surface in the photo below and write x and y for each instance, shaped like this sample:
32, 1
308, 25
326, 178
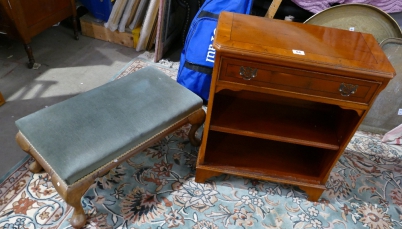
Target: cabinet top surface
306, 45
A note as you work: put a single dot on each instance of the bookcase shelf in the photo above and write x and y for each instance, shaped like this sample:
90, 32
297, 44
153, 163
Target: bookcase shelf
265, 157
290, 121
281, 117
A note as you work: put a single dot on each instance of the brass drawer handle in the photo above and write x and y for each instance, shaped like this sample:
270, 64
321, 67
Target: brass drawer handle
347, 89
248, 73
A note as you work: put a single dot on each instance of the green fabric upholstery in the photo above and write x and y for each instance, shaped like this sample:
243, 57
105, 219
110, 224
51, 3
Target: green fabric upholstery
85, 132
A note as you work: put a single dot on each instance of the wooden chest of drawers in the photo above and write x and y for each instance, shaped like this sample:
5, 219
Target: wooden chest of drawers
24, 19
286, 98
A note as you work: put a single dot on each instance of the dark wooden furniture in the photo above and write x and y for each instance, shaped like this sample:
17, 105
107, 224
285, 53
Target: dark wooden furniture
23, 19
286, 98
2, 100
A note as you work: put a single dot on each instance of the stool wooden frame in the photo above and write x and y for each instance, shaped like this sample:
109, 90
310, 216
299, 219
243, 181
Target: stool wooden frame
72, 194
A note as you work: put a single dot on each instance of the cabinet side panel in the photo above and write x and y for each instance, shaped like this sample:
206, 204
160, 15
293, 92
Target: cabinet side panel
37, 10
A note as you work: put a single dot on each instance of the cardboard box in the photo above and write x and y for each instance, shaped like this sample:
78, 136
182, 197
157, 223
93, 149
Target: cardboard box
92, 27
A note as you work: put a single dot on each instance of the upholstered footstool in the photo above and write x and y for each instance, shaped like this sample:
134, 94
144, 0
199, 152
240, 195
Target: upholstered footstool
83, 137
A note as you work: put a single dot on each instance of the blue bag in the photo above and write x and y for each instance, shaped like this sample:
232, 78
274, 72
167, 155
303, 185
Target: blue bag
198, 55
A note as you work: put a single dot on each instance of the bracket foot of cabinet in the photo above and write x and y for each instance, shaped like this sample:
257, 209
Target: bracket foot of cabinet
313, 194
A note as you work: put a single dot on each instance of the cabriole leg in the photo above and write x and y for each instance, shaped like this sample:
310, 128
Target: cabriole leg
34, 167
196, 120
31, 59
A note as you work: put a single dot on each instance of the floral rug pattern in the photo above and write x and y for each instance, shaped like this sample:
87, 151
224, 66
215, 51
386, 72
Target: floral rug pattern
156, 189
168, 67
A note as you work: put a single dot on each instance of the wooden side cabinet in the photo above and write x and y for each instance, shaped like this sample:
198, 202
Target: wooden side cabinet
23, 19
286, 98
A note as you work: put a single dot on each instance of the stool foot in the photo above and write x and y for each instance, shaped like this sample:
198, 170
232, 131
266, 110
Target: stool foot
196, 120
35, 167
79, 219
73, 198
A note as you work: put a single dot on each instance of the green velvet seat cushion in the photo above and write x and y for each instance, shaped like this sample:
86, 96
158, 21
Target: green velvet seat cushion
85, 132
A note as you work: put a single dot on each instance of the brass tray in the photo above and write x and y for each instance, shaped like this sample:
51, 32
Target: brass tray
360, 18
392, 48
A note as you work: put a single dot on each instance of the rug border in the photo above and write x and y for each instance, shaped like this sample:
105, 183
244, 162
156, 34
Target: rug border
135, 59
14, 168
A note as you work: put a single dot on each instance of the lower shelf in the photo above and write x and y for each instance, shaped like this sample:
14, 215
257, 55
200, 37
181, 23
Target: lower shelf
234, 154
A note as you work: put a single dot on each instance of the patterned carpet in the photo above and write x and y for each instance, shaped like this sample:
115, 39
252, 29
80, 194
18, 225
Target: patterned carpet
156, 189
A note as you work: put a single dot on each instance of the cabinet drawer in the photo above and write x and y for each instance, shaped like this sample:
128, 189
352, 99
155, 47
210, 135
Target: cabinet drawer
298, 81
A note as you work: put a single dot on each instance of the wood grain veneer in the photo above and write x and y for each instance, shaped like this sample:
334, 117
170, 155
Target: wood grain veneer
286, 98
